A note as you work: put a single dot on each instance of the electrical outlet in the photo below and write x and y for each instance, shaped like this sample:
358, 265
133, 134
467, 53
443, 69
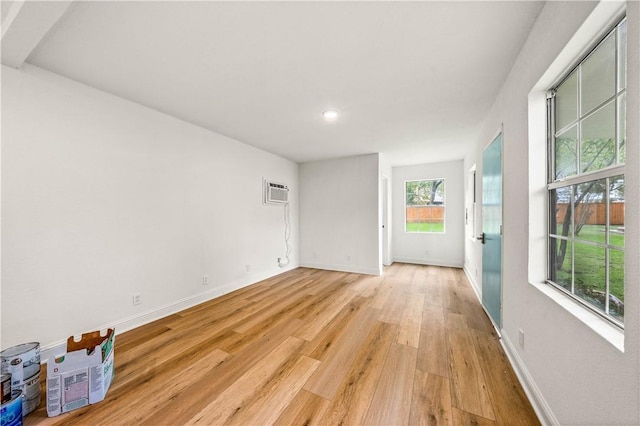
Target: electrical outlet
348, 258
521, 338
248, 267
205, 280
137, 299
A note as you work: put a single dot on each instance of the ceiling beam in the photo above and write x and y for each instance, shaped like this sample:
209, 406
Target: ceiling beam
25, 25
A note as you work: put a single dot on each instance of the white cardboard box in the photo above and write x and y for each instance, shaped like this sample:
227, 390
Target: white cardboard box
83, 375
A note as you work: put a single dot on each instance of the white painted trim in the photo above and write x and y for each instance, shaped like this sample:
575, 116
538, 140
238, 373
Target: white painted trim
474, 283
432, 262
126, 324
355, 269
498, 132
540, 405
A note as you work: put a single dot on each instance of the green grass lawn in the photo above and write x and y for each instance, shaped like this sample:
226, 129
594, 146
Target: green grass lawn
424, 227
596, 233
590, 269
589, 265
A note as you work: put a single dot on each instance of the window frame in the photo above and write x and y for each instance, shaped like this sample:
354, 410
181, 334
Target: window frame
580, 177
443, 205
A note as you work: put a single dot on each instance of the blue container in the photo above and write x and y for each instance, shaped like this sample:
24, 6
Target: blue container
11, 412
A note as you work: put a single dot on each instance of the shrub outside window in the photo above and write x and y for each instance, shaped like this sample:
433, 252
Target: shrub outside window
424, 205
586, 115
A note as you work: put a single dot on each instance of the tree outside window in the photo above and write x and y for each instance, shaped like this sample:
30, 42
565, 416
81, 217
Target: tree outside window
586, 179
424, 206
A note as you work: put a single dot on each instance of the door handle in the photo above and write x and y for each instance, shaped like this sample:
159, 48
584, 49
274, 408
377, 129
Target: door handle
481, 238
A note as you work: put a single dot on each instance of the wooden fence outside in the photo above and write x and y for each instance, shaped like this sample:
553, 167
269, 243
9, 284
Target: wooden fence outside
596, 213
425, 214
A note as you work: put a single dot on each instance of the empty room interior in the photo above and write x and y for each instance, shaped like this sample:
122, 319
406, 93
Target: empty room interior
318, 212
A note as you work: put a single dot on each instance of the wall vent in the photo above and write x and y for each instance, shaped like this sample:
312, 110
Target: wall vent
275, 193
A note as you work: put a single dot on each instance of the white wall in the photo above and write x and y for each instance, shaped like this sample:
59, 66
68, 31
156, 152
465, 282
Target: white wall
445, 249
340, 214
574, 373
103, 198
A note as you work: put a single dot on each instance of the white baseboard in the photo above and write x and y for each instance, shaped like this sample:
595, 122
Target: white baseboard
474, 283
540, 406
355, 269
432, 262
125, 324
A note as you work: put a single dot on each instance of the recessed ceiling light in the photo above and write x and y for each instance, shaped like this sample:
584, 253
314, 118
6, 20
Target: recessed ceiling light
330, 114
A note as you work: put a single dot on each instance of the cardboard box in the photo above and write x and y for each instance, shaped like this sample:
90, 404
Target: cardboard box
83, 375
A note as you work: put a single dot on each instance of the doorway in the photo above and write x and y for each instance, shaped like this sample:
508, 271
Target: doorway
386, 258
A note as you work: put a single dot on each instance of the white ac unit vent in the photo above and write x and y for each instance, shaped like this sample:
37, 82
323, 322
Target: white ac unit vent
275, 193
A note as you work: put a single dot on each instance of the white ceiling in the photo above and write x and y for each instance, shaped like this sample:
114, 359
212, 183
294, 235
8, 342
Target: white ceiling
412, 80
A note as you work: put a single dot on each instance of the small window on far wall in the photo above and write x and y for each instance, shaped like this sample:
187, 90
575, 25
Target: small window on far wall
424, 205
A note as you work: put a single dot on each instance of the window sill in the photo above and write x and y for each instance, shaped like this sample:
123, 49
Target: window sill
600, 326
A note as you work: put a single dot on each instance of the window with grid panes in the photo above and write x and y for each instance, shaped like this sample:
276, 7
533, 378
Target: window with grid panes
586, 123
424, 205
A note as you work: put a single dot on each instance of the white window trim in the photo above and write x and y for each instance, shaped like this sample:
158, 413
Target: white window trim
444, 205
596, 26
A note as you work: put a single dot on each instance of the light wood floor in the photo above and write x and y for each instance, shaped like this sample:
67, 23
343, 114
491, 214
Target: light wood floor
411, 347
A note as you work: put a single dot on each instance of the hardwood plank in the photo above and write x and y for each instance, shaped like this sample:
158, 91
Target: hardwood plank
453, 320
432, 315
420, 284
277, 394
431, 401
367, 286
317, 320
155, 353
351, 402
379, 300
234, 310
273, 306
392, 311
281, 288
391, 404
461, 417
477, 318
334, 331
433, 291
141, 334
409, 329
407, 273
327, 280
468, 386
234, 398
286, 312
433, 355
305, 409
338, 360
184, 406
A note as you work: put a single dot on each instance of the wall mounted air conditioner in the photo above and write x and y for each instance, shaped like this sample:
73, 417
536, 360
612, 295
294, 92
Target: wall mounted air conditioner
275, 193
